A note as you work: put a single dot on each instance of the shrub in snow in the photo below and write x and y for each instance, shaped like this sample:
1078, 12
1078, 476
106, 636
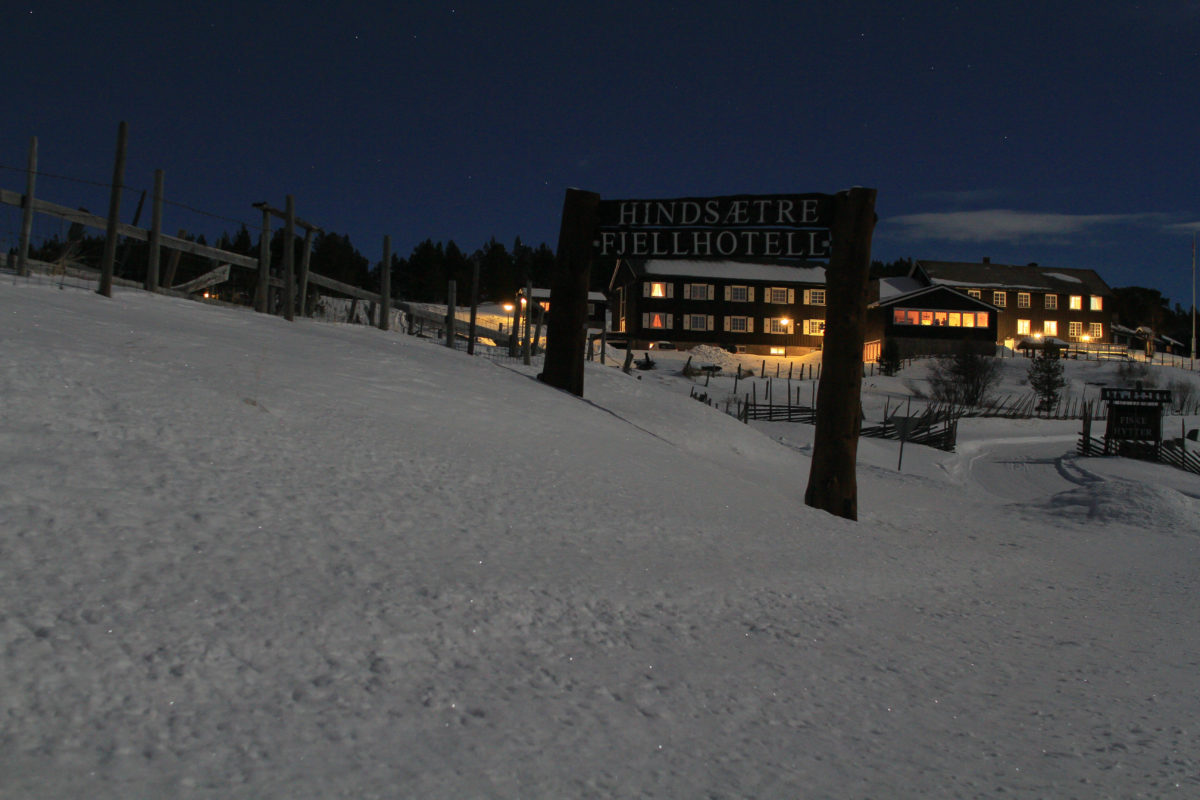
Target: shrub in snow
963, 379
1046, 378
889, 357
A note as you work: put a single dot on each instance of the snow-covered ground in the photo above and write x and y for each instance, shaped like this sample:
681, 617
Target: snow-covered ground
242, 558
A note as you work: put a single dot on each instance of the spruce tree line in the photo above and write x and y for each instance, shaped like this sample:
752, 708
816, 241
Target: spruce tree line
421, 277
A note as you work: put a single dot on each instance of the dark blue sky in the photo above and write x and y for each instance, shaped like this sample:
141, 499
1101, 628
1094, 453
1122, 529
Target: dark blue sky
1059, 132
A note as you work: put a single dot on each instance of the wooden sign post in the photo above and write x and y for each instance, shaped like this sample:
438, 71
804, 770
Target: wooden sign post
566, 330
832, 480
784, 228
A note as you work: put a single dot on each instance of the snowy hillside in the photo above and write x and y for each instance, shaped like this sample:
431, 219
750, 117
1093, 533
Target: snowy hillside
246, 558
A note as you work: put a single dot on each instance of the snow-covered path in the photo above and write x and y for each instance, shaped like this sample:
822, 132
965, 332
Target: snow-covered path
240, 558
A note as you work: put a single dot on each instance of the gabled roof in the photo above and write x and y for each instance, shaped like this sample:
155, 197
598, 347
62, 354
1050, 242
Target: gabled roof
724, 270
1030, 277
538, 293
924, 293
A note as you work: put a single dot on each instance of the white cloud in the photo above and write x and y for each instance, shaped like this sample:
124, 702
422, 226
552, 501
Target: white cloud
1004, 225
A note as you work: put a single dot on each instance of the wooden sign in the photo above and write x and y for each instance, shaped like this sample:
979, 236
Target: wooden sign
784, 226
799, 227
1134, 415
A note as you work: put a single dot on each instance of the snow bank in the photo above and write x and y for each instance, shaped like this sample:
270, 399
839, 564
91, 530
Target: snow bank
246, 558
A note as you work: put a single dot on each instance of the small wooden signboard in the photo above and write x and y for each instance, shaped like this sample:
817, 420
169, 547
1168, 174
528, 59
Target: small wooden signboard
1134, 415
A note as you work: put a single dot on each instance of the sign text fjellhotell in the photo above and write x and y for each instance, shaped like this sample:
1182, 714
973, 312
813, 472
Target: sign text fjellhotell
794, 226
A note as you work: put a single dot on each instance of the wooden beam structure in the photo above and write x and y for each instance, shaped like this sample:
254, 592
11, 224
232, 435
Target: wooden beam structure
11, 198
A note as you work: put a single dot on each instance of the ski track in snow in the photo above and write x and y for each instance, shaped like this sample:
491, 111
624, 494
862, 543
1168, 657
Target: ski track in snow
241, 558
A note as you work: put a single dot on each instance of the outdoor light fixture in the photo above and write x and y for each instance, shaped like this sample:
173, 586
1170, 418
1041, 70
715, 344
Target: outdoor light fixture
508, 306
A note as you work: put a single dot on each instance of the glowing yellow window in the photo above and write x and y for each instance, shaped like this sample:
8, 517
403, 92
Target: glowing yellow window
968, 320
658, 290
955, 319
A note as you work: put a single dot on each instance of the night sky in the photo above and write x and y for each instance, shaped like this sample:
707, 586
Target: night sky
1064, 133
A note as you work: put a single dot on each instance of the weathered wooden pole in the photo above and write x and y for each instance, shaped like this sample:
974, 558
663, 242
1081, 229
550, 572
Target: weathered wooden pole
385, 286
264, 264
27, 209
474, 306
566, 330
155, 252
289, 258
305, 258
832, 481
114, 212
168, 279
513, 329
451, 303
528, 314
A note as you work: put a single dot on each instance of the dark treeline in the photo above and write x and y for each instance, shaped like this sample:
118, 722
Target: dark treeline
422, 276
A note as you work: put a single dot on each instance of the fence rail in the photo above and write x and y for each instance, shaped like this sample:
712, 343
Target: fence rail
1173, 452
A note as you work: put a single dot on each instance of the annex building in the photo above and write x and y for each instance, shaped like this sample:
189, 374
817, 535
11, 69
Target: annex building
1074, 305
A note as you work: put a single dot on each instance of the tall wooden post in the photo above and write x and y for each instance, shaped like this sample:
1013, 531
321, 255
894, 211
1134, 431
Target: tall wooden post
27, 209
385, 286
114, 211
832, 481
451, 302
152, 258
264, 264
528, 314
474, 306
305, 257
566, 330
513, 329
289, 258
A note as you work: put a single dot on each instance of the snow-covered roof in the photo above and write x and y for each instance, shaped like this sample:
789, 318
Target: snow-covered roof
1014, 277
892, 287
539, 293
735, 270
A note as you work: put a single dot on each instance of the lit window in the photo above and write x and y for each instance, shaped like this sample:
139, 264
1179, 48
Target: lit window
816, 297
968, 320
940, 318
1075, 329
778, 351
1050, 328
781, 325
1076, 302
739, 294
955, 319
976, 293
737, 324
814, 327
658, 290
926, 317
981, 319
898, 316
1022, 299
1096, 331
1097, 303
658, 320
914, 317
1051, 302
1022, 327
